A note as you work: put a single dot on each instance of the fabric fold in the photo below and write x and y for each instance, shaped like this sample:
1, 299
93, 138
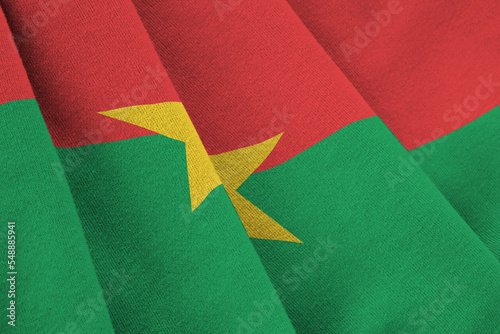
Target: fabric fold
49, 283
436, 94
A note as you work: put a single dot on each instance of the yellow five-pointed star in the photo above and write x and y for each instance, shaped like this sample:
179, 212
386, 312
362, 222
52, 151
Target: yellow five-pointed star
207, 172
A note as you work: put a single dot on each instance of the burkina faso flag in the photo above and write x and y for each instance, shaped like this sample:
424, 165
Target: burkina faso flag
237, 166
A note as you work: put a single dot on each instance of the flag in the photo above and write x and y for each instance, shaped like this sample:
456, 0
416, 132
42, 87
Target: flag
250, 167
